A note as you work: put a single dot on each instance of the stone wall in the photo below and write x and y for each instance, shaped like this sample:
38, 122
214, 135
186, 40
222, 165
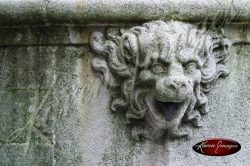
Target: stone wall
55, 109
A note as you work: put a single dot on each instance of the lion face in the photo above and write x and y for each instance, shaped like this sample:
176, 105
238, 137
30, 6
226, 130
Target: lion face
160, 73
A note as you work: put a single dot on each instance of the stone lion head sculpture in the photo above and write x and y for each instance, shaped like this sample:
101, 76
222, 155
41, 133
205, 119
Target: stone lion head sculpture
159, 74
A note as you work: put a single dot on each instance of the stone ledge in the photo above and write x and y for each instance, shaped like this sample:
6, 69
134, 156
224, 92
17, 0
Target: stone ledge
16, 12
78, 36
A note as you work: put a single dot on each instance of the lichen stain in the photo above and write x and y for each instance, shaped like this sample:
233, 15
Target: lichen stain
79, 8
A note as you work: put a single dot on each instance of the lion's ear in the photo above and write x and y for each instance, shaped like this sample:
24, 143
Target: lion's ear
221, 49
97, 42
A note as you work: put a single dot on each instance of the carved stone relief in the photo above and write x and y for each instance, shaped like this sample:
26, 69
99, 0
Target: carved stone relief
159, 74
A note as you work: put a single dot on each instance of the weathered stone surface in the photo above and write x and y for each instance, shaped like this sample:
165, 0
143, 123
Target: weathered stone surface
13, 12
15, 154
54, 109
39, 85
44, 35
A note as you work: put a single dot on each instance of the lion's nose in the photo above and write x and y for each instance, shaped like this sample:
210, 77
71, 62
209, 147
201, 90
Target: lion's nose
175, 84
173, 89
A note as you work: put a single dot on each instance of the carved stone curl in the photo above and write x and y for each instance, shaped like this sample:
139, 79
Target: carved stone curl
159, 74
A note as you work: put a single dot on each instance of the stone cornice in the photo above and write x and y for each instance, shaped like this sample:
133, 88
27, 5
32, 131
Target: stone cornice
16, 12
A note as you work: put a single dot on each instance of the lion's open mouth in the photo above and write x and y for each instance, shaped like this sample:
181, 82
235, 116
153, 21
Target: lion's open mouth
168, 109
165, 114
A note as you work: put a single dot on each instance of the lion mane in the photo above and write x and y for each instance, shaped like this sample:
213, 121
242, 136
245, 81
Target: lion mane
119, 63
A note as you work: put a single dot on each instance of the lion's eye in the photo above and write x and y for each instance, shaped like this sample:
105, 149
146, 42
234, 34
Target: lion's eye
159, 68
